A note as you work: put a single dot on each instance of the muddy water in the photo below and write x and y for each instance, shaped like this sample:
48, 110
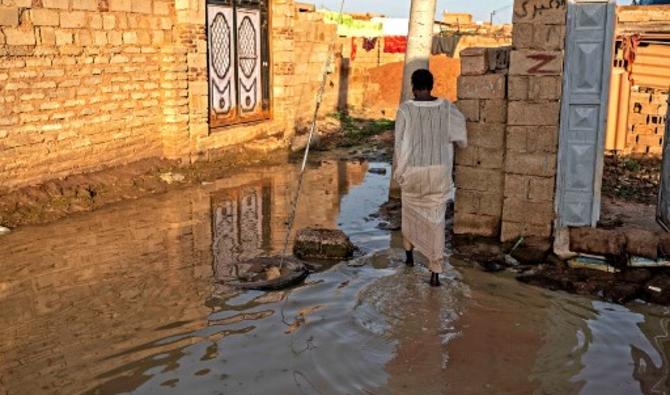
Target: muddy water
125, 300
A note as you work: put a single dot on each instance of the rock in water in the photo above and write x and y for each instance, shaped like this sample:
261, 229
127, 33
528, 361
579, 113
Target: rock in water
326, 244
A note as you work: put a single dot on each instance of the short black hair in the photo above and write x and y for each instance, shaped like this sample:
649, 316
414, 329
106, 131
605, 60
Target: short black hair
422, 79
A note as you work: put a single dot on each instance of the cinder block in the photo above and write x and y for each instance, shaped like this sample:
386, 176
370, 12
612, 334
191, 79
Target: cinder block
525, 211
517, 87
476, 224
516, 186
541, 189
469, 108
511, 231
597, 241
485, 135
474, 61
524, 62
545, 88
525, 113
493, 111
489, 86
541, 165
540, 12
476, 179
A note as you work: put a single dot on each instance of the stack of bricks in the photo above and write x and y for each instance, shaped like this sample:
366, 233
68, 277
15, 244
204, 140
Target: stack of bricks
317, 41
480, 167
80, 85
646, 121
534, 93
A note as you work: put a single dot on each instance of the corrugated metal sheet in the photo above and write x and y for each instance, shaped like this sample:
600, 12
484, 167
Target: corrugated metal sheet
651, 66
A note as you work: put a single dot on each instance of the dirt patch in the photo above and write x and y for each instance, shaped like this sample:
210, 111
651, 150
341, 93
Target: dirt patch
632, 178
389, 78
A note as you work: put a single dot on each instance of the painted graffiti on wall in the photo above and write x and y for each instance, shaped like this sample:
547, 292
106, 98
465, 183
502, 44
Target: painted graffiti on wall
530, 9
542, 61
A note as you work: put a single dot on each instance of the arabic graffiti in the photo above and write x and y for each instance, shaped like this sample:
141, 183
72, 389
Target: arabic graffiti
533, 8
542, 61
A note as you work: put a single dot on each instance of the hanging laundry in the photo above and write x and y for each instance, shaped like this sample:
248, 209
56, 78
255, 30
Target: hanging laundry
347, 26
445, 44
369, 43
629, 46
354, 49
395, 44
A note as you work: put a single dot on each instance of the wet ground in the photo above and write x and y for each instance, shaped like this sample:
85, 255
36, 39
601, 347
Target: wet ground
125, 300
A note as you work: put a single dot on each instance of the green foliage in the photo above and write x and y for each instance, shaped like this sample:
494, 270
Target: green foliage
357, 130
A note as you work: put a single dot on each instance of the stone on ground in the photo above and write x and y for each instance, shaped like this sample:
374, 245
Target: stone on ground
326, 244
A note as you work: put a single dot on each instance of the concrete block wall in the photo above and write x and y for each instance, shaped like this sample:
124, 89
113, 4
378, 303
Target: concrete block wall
646, 121
480, 168
507, 177
534, 93
80, 85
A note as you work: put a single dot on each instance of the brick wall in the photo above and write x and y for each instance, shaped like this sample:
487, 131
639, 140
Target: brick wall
315, 41
507, 176
80, 85
87, 84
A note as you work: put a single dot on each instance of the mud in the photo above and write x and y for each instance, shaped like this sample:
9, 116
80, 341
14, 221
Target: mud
60, 198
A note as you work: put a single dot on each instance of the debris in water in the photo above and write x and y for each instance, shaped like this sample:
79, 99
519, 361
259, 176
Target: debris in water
329, 244
170, 178
4, 231
378, 170
592, 262
267, 274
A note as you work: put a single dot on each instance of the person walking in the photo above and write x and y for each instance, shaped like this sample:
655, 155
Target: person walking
426, 130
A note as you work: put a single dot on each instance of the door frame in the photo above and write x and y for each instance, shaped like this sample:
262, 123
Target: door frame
565, 108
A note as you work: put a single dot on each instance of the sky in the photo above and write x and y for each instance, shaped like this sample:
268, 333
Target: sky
481, 9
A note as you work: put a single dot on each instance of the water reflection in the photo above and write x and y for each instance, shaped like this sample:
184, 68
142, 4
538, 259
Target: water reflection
125, 300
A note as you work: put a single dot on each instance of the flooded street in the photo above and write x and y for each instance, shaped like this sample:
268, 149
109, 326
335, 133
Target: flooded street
126, 300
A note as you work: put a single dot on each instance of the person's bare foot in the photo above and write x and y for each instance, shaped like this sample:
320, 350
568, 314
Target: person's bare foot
409, 260
434, 279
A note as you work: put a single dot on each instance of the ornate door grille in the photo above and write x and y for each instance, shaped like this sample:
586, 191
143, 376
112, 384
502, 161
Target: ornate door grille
238, 61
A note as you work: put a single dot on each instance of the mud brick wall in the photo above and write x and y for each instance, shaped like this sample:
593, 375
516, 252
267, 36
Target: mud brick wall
314, 42
480, 168
534, 92
190, 138
80, 85
646, 121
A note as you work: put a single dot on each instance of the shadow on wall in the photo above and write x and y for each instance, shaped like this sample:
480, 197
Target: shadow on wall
343, 95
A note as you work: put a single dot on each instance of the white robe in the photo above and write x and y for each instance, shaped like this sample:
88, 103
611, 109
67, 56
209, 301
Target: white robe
425, 134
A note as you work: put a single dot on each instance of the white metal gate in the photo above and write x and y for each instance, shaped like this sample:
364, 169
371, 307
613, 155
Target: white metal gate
584, 110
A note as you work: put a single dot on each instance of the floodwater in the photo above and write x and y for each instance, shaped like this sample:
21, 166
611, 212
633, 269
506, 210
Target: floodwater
126, 300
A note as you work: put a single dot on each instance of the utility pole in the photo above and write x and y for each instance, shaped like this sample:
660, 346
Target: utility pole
419, 42
417, 55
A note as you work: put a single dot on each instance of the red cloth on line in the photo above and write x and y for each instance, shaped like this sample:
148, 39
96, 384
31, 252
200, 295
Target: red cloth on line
354, 49
395, 44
